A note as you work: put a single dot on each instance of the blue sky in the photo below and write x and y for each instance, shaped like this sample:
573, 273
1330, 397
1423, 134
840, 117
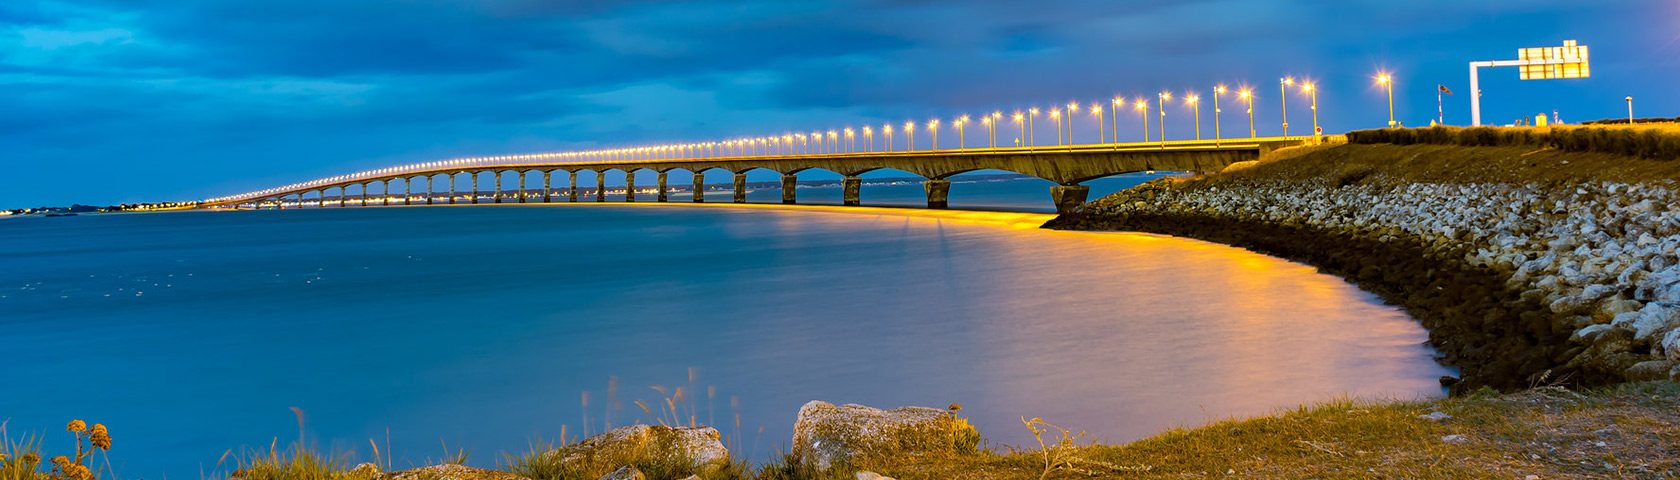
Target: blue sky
107, 101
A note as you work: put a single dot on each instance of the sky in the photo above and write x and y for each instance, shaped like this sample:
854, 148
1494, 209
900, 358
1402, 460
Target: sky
113, 101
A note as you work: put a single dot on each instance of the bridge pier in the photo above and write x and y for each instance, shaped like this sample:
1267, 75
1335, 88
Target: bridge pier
663, 190
1068, 197
601, 186
452, 188
521, 186
740, 188
496, 195
385, 198
629, 185
789, 183
429, 190
938, 191
475, 187
548, 192
408, 190
279, 202
364, 193
851, 187
699, 187
571, 193
321, 198
343, 191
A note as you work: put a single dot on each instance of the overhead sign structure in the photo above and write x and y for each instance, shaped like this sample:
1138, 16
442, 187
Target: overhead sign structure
1538, 63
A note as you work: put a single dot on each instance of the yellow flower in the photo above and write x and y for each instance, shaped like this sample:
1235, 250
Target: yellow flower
76, 426
98, 428
2, 458
61, 460
79, 472
31, 458
100, 439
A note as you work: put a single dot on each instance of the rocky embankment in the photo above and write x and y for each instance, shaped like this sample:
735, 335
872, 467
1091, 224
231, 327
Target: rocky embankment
1523, 276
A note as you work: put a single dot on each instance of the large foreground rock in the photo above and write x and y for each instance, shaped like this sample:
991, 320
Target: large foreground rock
826, 435
699, 450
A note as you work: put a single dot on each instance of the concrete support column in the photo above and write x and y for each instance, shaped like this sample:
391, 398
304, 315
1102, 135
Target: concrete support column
600, 186
474, 187
630, 185
343, 191
364, 194
452, 189
937, 192
521, 186
497, 194
408, 190
663, 190
740, 188
571, 193
1069, 197
279, 202
429, 190
385, 198
548, 192
321, 198
699, 187
850, 188
789, 182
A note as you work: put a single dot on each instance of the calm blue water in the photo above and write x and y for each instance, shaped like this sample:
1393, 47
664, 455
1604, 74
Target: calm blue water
482, 327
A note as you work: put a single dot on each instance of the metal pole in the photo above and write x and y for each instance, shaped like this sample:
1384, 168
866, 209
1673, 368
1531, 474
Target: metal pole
1475, 98
1630, 109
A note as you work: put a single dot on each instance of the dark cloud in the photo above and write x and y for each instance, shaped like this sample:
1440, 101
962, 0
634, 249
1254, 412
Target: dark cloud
188, 98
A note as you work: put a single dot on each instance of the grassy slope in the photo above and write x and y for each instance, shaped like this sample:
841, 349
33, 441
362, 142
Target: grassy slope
1393, 164
1548, 432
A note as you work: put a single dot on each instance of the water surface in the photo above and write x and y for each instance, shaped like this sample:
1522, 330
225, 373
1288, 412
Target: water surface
482, 327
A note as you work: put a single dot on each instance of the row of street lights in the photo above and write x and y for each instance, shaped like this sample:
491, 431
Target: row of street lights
844, 140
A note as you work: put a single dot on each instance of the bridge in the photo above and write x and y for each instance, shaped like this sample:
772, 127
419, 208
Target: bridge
1066, 165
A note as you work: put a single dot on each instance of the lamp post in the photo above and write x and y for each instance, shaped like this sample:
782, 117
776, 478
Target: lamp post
1161, 105
1114, 117
868, 139
1630, 109
1218, 90
851, 140
997, 117
1056, 114
910, 135
1195, 103
1102, 133
1032, 131
933, 126
991, 138
962, 138
1073, 107
1283, 95
1310, 89
1248, 99
886, 129
1143, 114
1388, 85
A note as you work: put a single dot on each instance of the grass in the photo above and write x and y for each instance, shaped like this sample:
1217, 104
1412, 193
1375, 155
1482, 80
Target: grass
1653, 141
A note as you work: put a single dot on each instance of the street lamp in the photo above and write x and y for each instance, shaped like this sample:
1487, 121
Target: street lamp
1114, 117
1056, 114
1161, 105
910, 135
1218, 90
962, 139
1248, 99
1096, 111
1032, 132
1310, 89
1195, 103
1143, 114
991, 137
1630, 109
1283, 94
886, 129
1388, 84
933, 126
1073, 107
834, 137
851, 143
997, 117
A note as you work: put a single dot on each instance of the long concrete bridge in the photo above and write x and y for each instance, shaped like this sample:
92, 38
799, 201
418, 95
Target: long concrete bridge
1067, 166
